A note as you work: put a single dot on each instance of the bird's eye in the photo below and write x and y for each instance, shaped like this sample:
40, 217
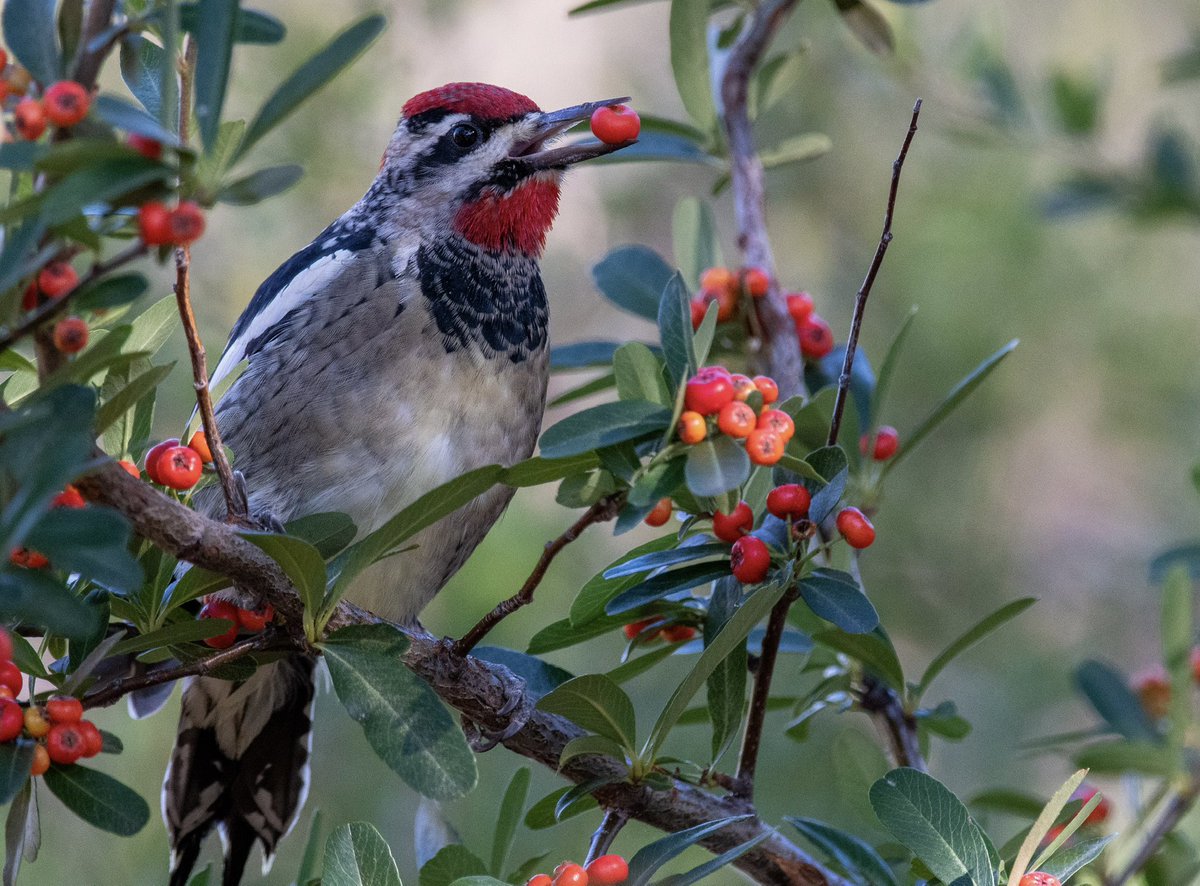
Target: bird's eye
464, 135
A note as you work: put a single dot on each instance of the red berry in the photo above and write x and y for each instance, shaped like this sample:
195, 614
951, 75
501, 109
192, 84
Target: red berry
855, 528
29, 116
736, 419
57, 279
65, 743
615, 124
3, 60
154, 224
186, 223
10, 676
749, 560
570, 874
68, 498
152, 457
64, 709
199, 442
887, 441
71, 335
661, 513
789, 500
816, 338
1196, 664
778, 422
256, 620
1153, 688
726, 303
608, 870
29, 299
539, 880
226, 610
765, 447
637, 630
1099, 815
719, 280
708, 390
41, 760
699, 308
678, 633
732, 526
692, 428
6, 645
12, 719
66, 103
27, 559
145, 146
180, 467
130, 468
767, 387
93, 741
756, 282
743, 386
800, 306
1040, 878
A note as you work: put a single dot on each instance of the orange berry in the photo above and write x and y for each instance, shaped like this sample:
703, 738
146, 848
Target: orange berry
186, 223
692, 428
570, 874
726, 303
64, 709
154, 224
737, 419
29, 116
130, 468
719, 280
65, 743
767, 387
756, 282
66, 102
661, 513
779, 422
41, 760
180, 468
609, 870
12, 719
1153, 688
68, 498
57, 279
743, 386
256, 620
800, 306
93, 741
36, 723
765, 447
200, 443
71, 335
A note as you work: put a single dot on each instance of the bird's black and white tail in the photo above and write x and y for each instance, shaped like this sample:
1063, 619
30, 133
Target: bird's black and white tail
240, 763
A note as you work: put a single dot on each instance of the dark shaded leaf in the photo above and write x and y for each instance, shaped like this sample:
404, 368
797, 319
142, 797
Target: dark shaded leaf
633, 278
1114, 701
543, 814
675, 330
16, 759
583, 354
664, 584
540, 676
654, 855
33, 598
873, 650
670, 557
511, 807
452, 862
857, 857
30, 35
598, 705
260, 184
603, 425
251, 26
715, 466
837, 597
698, 873
120, 114
216, 22
301, 561
98, 799
93, 541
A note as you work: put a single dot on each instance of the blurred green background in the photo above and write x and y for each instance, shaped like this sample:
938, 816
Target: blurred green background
1059, 479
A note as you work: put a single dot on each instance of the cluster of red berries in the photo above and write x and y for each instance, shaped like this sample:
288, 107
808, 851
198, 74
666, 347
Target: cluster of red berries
63, 104
816, 338
615, 124
253, 621
162, 226
717, 400
178, 467
52, 282
607, 870
1153, 687
650, 629
58, 727
727, 288
1040, 878
70, 497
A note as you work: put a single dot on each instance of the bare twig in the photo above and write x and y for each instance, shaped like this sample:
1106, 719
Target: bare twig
99, 16
600, 512
752, 737
1177, 807
898, 726
602, 840
860, 302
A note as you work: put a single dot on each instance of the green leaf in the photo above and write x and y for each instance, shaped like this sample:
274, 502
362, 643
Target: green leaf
1181, 555
22, 831
195, 583
633, 278
797, 149
654, 855
857, 857
1119, 756
357, 855
260, 184
403, 720
93, 541
603, 425
715, 466
1113, 700
102, 182
120, 114
868, 25
562, 634
837, 597
585, 745
186, 631
1043, 823
1177, 627
312, 850
689, 60
542, 814
887, 369
639, 375
661, 146
1073, 858
252, 27
694, 234
329, 532
312, 76
597, 704
111, 292
874, 650
698, 873
301, 561
657, 558
451, 863
98, 799
538, 470
997, 619
511, 808
675, 330
16, 760
215, 163
595, 5
141, 67
595, 386
29, 34
216, 22
579, 355
589, 603
663, 585
130, 395
952, 401
732, 635
725, 692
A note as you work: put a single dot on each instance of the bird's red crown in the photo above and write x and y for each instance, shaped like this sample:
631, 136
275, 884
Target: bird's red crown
480, 100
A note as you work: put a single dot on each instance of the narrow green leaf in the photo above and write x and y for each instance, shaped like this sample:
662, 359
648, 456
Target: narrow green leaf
952, 401
595, 386
542, 815
1072, 859
725, 690
603, 425
217, 20
698, 873
633, 278
186, 631
753, 610
102, 182
589, 603
578, 355
141, 69
22, 831
403, 720
252, 27
30, 35
694, 234
874, 650
312, 76
312, 852
538, 470
111, 292
98, 799
151, 328
797, 149
584, 745
563, 634
675, 330
1114, 701
120, 114
260, 184
1043, 823
1177, 627
926, 817
715, 466
973, 635
887, 369
640, 376
1067, 831
654, 855
868, 25
657, 558
596, 703
195, 583
511, 808
130, 395
663, 585
689, 60
1118, 756
301, 561
357, 855
857, 857
16, 760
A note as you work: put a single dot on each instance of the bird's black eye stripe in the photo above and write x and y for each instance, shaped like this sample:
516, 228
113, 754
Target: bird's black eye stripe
464, 135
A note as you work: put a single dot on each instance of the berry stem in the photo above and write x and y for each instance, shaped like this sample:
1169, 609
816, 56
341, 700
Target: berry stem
602, 840
860, 301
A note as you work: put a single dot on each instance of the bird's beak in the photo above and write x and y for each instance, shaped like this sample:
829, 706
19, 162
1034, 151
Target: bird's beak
551, 124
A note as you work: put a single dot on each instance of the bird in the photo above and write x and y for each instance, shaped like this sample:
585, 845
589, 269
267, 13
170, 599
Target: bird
405, 345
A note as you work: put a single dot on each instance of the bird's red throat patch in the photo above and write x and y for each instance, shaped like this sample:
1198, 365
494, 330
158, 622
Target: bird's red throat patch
513, 221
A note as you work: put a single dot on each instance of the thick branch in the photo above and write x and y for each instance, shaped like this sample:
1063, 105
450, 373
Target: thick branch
600, 512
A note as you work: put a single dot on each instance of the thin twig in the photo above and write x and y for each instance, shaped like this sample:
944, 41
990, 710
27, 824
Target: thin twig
860, 302
99, 16
235, 503
752, 737
53, 307
600, 512
1177, 807
898, 726
614, 819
